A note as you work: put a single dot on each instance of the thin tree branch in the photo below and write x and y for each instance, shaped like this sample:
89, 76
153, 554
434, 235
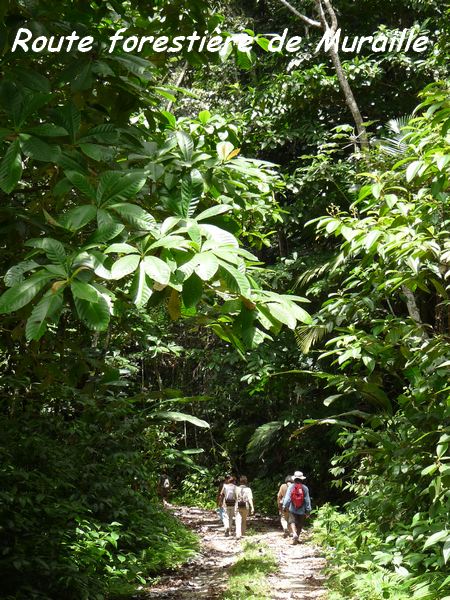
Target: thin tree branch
298, 14
178, 82
331, 12
343, 81
335, 59
413, 309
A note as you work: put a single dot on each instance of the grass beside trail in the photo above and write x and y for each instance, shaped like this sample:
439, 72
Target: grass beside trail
248, 576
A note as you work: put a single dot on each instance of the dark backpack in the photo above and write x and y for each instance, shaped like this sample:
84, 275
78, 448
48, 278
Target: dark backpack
229, 491
297, 495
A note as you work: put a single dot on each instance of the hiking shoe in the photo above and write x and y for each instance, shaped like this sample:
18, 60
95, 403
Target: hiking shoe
286, 533
294, 540
227, 532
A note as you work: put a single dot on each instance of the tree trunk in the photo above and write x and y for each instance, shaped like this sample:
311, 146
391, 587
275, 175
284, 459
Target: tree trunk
344, 84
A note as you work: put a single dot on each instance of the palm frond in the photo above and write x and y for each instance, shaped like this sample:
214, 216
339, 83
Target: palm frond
307, 336
395, 142
263, 438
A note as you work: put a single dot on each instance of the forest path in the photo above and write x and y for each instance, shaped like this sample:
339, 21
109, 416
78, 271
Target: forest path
299, 572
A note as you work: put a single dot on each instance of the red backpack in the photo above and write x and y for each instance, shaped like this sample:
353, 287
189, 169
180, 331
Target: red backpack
297, 495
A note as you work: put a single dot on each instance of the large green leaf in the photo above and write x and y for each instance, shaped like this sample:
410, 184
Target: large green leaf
39, 150
46, 308
70, 118
191, 191
141, 287
217, 237
47, 130
206, 265
170, 415
437, 537
15, 274
84, 291
214, 211
192, 291
78, 217
21, 294
242, 284
185, 144
135, 215
81, 182
11, 168
124, 266
282, 314
120, 248
95, 315
157, 269
53, 249
116, 186
97, 152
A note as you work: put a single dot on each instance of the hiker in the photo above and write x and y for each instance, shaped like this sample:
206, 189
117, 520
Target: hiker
220, 510
227, 499
164, 488
284, 514
243, 506
299, 504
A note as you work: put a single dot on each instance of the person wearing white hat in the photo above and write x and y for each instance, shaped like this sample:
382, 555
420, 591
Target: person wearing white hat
298, 502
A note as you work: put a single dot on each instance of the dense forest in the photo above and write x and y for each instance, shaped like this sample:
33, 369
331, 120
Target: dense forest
216, 262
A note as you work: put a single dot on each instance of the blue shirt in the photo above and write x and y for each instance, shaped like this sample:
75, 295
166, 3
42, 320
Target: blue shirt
304, 508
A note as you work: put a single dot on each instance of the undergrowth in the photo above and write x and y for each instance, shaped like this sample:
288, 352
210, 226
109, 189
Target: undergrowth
357, 561
248, 576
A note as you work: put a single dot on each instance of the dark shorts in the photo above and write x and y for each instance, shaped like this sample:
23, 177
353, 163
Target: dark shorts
297, 520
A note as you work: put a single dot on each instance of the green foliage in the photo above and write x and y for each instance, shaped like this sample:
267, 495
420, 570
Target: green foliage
265, 492
350, 547
89, 520
130, 221
132, 209
389, 352
199, 488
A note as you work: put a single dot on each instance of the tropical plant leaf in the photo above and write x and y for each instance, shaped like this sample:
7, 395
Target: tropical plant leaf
206, 265
84, 291
263, 438
52, 248
186, 145
95, 315
39, 150
15, 274
141, 287
82, 183
21, 294
116, 186
11, 168
124, 266
192, 291
214, 211
78, 217
135, 216
46, 308
157, 269
170, 415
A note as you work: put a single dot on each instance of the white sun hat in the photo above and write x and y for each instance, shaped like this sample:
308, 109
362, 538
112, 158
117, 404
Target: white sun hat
298, 475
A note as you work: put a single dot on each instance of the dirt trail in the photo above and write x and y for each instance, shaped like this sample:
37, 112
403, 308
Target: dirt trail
299, 573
